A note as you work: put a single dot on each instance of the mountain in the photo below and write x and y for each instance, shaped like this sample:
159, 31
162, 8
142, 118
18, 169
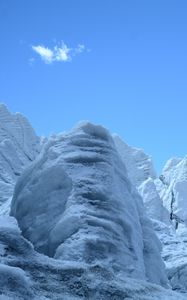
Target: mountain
165, 202
172, 187
173, 191
19, 146
142, 174
25, 274
87, 215
139, 165
76, 203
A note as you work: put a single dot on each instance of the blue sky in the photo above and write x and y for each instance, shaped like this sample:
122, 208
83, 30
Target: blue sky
122, 63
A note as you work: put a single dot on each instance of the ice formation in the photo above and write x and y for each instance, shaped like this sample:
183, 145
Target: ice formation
28, 275
84, 230
19, 145
165, 202
152, 201
77, 204
139, 165
141, 172
173, 190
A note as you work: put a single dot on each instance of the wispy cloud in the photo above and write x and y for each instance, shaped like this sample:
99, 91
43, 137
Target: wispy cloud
60, 53
46, 54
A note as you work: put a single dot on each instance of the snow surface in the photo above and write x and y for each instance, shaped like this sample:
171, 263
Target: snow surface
165, 202
19, 145
83, 173
152, 201
139, 165
174, 254
26, 274
76, 203
141, 172
174, 188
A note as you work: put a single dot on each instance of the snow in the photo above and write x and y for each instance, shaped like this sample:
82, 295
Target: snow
18, 128
19, 145
174, 254
165, 199
172, 188
11, 278
27, 274
170, 167
174, 193
141, 172
165, 203
76, 203
139, 165
152, 201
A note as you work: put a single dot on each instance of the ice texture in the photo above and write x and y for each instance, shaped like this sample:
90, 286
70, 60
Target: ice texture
19, 145
96, 232
142, 174
75, 203
174, 189
28, 275
174, 254
165, 203
139, 165
152, 201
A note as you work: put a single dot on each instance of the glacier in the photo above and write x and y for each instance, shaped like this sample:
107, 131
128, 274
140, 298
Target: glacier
76, 203
165, 203
172, 188
90, 219
26, 274
19, 146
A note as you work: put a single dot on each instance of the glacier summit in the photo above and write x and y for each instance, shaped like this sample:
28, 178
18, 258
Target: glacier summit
90, 219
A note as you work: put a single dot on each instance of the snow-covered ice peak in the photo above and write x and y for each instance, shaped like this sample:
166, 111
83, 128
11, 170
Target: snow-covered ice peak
76, 203
28, 275
15, 127
169, 170
174, 190
152, 201
139, 165
141, 172
19, 145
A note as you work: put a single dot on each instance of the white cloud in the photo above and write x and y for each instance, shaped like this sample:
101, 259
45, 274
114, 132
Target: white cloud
46, 54
58, 53
62, 53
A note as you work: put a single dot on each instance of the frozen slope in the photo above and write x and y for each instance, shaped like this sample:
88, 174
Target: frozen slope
141, 172
152, 201
19, 145
76, 203
165, 202
174, 254
173, 190
172, 187
28, 275
139, 165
